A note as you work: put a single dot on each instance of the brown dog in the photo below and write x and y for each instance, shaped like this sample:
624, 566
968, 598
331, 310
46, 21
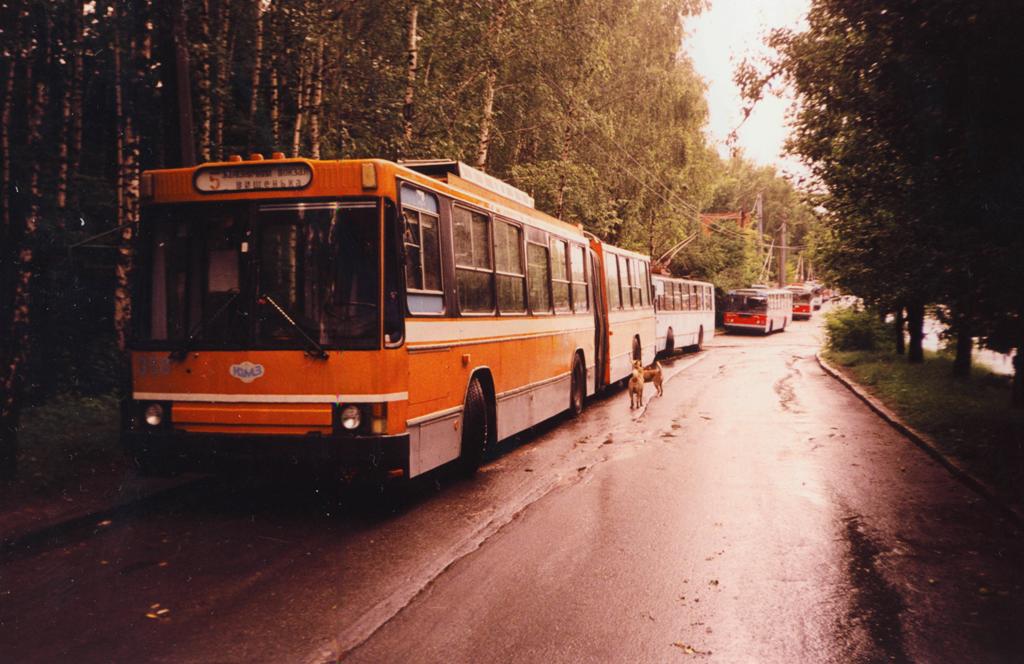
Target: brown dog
654, 375
636, 386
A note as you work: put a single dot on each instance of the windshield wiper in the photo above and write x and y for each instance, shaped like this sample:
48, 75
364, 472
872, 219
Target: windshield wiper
317, 350
179, 353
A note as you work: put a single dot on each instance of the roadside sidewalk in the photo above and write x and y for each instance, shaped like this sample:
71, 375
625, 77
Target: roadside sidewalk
28, 516
1011, 510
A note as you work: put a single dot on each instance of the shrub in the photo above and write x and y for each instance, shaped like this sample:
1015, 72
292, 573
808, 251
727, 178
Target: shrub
855, 329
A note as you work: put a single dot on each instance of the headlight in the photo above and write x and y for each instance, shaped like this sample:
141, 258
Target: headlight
351, 417
154, 414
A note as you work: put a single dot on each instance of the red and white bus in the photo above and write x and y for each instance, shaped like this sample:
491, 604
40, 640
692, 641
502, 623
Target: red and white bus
365, 314
763, 310
685, 312
802, 301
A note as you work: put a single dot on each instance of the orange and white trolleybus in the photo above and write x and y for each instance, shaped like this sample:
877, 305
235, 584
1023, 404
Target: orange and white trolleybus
763, 310
362, 313
685, 312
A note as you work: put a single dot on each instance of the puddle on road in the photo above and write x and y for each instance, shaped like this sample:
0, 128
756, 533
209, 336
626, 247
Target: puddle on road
875, 605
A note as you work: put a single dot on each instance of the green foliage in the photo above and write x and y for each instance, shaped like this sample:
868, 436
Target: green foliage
856, 329
906, 118
68, 437
972, 421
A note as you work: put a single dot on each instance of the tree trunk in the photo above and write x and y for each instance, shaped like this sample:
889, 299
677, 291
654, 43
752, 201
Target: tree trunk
409, 108
5, 147
203, 48
221, 94
487, 121
915, 324
118, 112
176, 90
77, 83
21, 311
964, 345
564, 157
255, 81
275, 104
300, 107
317, 102
1017, 396
901, 342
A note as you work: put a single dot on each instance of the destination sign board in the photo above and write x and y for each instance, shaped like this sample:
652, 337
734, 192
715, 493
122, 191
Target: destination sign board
253, 177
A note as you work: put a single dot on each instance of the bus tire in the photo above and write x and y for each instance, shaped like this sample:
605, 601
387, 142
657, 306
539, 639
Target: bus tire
578, 389
700, 339
771, 326
476, 427
637, 349
670, 342
784, 321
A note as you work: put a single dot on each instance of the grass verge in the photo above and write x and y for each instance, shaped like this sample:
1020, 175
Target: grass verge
970, 420
66, 441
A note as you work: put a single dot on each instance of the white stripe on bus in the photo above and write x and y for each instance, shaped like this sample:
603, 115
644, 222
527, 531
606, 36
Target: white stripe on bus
270, 398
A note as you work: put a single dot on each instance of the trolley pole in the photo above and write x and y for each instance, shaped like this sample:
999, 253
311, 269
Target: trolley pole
782, 257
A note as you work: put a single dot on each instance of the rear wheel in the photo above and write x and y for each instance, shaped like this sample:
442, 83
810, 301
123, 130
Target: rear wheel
771, 326
476, 428
670, 342
637, 352
577, 393
700, 338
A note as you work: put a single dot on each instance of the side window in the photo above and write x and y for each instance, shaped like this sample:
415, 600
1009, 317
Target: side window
645, 285
611, 265
677, 299
538, 277
508, 259
578, 270
626, 281
710, 295
473, 268
422, 251
559, 274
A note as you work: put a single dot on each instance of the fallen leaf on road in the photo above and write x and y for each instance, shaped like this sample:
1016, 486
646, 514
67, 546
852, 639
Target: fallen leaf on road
713, 582
690, 650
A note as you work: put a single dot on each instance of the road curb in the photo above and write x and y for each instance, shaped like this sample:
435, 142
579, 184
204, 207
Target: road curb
1011, 511
14, 544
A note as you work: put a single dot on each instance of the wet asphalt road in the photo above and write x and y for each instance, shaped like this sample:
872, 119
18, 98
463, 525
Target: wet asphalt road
758, 512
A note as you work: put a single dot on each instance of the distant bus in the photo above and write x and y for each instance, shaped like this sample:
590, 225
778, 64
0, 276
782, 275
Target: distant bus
685, 312
765, 310
802, 302
365, 314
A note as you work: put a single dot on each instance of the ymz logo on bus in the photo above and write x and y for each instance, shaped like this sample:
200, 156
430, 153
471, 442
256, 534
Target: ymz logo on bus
247, 371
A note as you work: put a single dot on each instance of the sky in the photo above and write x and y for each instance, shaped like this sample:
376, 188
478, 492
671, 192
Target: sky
716, 42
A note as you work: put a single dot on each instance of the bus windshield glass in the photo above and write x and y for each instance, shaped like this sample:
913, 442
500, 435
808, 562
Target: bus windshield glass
740, 302
261, 275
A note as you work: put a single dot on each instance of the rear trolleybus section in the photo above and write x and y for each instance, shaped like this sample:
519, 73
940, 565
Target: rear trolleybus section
685, 312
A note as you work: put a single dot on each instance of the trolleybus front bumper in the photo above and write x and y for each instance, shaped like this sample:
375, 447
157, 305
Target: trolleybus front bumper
387, 455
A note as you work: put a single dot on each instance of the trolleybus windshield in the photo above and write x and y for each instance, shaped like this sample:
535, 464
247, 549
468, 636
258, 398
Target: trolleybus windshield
738, 302
261, 275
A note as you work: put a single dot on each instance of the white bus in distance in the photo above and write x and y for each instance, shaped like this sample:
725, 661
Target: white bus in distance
684, 312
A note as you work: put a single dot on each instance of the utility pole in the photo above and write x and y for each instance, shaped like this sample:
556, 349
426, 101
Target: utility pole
782, 256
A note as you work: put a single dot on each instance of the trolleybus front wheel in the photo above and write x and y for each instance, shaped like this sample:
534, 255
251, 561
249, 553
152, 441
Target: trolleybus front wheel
670, 342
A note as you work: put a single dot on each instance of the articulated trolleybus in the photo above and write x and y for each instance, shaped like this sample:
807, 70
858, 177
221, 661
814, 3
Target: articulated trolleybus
686, 312
763, 310
365, 315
